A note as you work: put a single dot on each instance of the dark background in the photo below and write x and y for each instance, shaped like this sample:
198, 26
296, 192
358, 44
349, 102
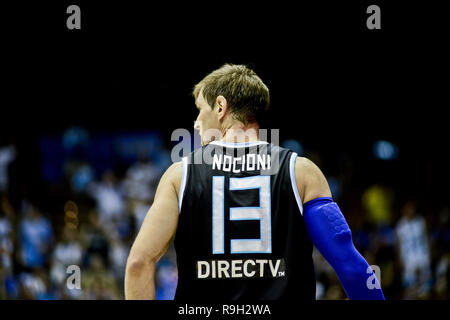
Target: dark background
335, 85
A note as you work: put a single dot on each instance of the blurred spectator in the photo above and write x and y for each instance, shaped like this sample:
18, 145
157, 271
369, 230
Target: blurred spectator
378, 200
66, 252
441, 244
109, 198
95, 238
98, 282
78, 171
6, 243
414, 252
140, 184
109, 212
7, 155
80, 175
327, 282
167, 276
36, 236
139, 210
141, 180
442, 287
7, 281
441, 232
118, 260
36, 285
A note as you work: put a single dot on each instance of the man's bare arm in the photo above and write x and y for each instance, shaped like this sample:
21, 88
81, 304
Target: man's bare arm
311, 182
330, 233
154, 237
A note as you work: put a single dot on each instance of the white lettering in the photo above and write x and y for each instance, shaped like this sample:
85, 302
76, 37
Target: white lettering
251, 162
261, 162
247, 162
217, 162
261, 265
235, 269
200, 274
222, 267
219, 269
225, 168
246, 273
273, 269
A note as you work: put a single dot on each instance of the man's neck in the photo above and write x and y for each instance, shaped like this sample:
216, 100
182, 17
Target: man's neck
239, 133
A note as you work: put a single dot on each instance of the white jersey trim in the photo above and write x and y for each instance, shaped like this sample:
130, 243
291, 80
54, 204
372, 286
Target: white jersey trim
294, 182
237, 144
183, 182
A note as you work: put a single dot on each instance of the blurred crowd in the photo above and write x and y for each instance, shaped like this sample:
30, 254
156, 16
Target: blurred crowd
92, 229
99, 213
410, 251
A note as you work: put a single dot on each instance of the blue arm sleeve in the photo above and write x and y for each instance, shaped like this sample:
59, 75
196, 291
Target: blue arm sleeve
330, 234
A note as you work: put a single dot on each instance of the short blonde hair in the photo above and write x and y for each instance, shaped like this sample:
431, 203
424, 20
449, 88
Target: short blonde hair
246, 94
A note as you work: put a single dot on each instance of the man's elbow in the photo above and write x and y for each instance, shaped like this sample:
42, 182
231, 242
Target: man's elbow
138, 264
355, 261
353, 267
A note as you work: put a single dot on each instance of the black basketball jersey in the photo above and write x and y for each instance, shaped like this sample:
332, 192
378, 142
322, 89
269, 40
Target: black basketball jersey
241, 233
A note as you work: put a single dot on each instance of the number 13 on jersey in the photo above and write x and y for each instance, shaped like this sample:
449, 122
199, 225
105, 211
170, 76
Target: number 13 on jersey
261, 213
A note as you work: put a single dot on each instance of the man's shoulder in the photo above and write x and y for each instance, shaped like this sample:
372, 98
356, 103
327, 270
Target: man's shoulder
175, 169
304, 165
306, 171
174, 173
311, 182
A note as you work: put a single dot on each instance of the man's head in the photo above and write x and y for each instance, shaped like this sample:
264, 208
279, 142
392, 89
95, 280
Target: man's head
232, 94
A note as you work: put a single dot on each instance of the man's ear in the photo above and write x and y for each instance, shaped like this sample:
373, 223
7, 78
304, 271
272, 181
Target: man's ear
222, 106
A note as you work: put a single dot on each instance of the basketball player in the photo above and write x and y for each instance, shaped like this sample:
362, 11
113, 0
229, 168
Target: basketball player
243, 223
